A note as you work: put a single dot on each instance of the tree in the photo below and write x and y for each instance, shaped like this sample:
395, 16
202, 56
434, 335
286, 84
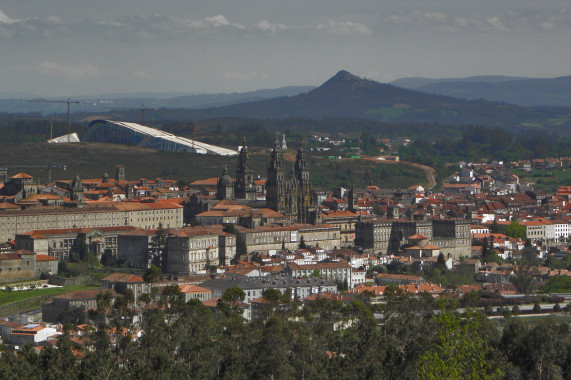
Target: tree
157, 253
460, 351
536, 308
495, 227
302, 243
83, 250
441, 262
515, 230
523, 279
272, 295
234, 295
108, 259
153, 274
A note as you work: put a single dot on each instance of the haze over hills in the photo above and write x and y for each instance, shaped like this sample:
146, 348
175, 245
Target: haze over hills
348, 96
107, 102
514, 90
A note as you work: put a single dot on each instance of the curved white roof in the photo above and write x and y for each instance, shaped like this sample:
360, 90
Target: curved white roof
197, 146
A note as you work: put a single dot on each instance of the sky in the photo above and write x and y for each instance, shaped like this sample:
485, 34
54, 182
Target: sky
64, 48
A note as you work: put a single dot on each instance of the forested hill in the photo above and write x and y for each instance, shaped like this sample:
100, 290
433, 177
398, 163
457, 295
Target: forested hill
348, 96
519, 91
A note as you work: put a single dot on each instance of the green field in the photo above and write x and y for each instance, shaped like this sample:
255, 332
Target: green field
91, 160
388, 113
546, 180
16, 296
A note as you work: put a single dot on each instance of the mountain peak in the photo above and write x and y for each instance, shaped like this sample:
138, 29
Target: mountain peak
344, 75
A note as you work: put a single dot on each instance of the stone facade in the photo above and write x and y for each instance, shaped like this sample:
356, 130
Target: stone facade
17, 266
266, 238
191, 251
100, 214
452, 236
61, 243
80, 299
333, 271
290, 195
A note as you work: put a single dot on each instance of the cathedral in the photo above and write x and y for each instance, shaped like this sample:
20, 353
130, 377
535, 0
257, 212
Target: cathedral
289, 194
244, 188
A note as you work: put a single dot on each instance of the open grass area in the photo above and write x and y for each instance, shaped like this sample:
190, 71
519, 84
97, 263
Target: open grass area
91, 160
10, 297
546, 180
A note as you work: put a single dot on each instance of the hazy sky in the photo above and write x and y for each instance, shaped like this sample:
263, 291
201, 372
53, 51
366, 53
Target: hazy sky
71, 47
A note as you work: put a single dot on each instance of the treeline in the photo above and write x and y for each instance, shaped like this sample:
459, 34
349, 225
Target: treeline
401, 339
483, 143
16, 129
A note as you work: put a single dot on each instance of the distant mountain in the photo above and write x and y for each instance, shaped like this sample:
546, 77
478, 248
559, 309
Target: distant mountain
417, 82
108, 102
514, 90
348, 96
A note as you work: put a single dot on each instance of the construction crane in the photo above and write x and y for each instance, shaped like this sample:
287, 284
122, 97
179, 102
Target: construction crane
68, 102
193, 129
40, 118
143, 113
53, 165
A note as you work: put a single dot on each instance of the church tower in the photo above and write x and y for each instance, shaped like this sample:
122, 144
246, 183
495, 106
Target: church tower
119, 173
245, 188
275, 183
76, 191
225, 186
353, 200
301, 172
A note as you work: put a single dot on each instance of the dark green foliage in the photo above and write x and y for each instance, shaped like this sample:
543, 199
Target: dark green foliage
188, 341
523, 279
302, 243
153, 274
157, 252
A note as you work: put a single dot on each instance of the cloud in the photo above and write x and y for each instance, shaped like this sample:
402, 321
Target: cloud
245, 76
4, 19
215, 22
266, 25
31, 27
345, 28
507, 21
72, 72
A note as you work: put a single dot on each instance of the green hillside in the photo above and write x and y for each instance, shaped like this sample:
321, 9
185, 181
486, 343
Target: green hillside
90, 160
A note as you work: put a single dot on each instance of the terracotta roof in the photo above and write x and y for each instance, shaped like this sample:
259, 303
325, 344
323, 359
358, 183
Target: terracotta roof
189, 289
84, 294
45, 258
123, 277
22, 176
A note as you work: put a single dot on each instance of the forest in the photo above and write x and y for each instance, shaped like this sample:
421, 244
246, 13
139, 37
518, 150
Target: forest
401, 339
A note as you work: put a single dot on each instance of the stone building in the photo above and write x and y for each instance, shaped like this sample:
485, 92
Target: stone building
140, 214
290, 195
17, 266
194, 250
334, 271
272, 237
452, 236
60, 243
254, 287
81, 299
18, 187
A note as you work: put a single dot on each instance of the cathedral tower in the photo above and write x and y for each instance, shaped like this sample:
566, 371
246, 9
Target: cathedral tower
301, 172
76, 191
225, 186
245, 188
275, 197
